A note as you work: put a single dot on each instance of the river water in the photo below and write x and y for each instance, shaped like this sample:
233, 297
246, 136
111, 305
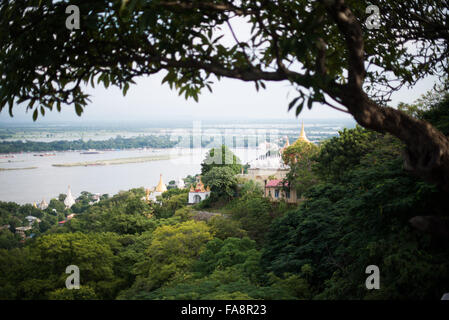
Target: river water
46, 181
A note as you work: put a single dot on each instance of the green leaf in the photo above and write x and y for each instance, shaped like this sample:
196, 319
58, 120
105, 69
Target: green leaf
292, 103
35, 114
78, 109
125, 88
309, 103
299, 108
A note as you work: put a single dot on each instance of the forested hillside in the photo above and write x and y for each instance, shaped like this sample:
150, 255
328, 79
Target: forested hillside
361, 208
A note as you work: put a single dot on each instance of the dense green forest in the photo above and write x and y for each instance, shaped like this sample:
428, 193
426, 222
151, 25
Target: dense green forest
151, 141
65, 145
359, 202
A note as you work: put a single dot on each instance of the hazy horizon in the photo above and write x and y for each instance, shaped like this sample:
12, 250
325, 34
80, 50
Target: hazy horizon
148, 101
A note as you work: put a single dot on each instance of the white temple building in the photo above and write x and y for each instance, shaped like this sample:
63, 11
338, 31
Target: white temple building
69, 201
198, 193
180, 184
32, 219
267, 165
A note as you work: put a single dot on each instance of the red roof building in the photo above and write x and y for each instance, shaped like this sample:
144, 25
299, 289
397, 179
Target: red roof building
275, 183
277, 190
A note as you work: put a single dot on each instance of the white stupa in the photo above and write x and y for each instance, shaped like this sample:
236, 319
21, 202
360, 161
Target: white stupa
43, 205
69, 201
180, 184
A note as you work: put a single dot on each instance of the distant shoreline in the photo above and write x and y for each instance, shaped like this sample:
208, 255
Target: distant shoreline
11, 169
114, 161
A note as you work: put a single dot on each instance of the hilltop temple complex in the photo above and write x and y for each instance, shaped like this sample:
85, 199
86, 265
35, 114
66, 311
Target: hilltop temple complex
270, 171
270, 165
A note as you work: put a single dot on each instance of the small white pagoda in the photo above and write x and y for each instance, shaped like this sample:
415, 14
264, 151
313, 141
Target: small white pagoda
43, 205
180, 184
69, 201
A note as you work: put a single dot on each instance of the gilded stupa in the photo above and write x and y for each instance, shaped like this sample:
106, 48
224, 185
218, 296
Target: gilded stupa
161, 187
151, 195
302, 135
147, 195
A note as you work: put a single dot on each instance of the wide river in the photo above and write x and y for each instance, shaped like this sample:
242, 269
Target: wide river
47, 181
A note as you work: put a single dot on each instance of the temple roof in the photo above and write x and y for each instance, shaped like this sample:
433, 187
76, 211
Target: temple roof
199, 187
275, 183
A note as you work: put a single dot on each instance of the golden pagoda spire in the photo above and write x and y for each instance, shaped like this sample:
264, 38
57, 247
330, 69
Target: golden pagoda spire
302, 135
287, 143
161, 186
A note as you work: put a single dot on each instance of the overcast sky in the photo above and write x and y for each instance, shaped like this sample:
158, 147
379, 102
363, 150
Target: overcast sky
231, 99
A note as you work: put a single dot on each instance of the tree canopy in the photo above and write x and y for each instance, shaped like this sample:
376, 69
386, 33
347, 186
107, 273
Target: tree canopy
221, 157
251, 248
356, 216
327, 49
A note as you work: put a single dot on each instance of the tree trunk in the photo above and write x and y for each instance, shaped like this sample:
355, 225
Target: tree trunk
427, 149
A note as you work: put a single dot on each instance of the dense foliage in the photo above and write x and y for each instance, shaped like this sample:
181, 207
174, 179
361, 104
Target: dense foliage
222, 182
300, 157
356, 213
358, 217
221, 157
